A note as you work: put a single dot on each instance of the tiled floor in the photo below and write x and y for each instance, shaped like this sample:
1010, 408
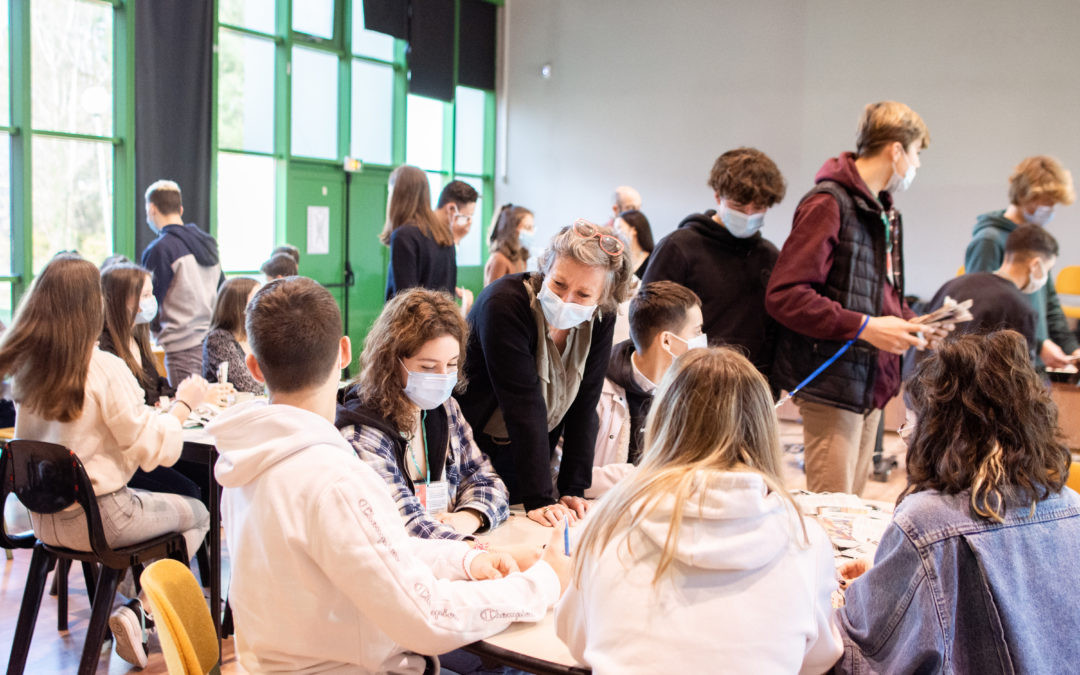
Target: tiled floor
56, 652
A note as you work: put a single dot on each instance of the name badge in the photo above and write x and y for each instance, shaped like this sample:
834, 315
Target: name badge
434, 497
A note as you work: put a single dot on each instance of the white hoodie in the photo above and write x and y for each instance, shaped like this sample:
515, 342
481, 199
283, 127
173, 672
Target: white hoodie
741, 596
324, 576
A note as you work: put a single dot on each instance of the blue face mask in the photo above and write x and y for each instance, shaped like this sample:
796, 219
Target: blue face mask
526, 238
562, 315
429, 390
740, 224
1041, 216
147, 310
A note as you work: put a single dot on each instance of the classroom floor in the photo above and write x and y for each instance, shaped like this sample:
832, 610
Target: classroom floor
56, 652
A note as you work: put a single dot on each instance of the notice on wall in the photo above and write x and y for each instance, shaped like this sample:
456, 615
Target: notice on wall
318, 230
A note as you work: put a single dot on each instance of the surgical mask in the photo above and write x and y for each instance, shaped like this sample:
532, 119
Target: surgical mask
153, 228
563, 315
429, 390
740, 224
147, 310
900, 183
1035, 284
696, 342
526, 238
1042, 216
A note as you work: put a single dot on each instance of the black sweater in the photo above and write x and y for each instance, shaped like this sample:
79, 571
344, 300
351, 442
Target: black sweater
621, 372
418, 260
729, 274
158, 387
500, 364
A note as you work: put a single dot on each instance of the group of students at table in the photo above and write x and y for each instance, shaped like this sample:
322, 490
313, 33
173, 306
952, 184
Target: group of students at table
695, 559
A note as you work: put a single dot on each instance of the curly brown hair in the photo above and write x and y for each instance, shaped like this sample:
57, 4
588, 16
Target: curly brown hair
407, 322
747, 176
986, 423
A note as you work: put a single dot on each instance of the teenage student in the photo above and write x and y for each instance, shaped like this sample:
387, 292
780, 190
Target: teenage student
325, 576
538, 350
970, 575
510, 239
1000, 299
421, 243
227, 341
72, 393
400, 418
704, 533
840, 277
721, 255
665, 323
280, 265
635, 229
1037, 185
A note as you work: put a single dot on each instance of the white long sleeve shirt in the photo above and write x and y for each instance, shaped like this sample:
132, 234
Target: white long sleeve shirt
325, 577
116, 433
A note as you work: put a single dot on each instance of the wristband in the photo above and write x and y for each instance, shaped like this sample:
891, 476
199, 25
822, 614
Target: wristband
467, 561
186, 405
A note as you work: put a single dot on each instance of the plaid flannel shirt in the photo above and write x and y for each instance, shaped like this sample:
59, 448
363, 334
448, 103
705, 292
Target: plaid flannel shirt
472, 481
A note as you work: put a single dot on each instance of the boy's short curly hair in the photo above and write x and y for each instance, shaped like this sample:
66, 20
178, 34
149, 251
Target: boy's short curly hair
747, 176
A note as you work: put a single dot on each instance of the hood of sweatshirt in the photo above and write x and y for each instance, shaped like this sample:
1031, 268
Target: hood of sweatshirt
201, 244
621, 370
842, 170
740, 524
703, 224
254, 436
994, 220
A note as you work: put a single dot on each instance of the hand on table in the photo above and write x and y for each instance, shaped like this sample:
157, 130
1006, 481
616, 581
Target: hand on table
525, 555
1052, 355
893, 334
852, 570
578, 505
553, 514
492, 565
464, 521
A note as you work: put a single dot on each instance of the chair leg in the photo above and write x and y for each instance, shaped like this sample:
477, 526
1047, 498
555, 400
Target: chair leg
63, 566
202, 557
40, 563
89, 571
8, 554
108, 579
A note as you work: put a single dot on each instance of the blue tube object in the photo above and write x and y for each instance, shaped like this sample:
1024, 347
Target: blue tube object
825, 365
566, 535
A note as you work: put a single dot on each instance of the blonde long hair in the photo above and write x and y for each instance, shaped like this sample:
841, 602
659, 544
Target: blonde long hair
713, 412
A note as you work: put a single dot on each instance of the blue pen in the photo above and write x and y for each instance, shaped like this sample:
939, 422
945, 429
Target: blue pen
566, 535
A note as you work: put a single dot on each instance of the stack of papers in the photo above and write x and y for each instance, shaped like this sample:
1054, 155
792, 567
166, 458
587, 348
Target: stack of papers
950, 311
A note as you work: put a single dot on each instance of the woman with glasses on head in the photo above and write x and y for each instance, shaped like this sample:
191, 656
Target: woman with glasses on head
536, 359
985, 540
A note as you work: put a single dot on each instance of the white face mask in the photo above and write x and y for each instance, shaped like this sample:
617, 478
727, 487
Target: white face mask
562, 315
900, 183
696, 342
1041, 216
429, 390
1035, 284
526, 238
740, 224
147, 310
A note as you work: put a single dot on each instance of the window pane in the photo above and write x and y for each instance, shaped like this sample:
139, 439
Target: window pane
71, 65
252, 14
424, 133
368, 42
314, 103
372, 112
5, 85
469, 250
73, 198
469, 125
314, 17
5, 206
5, 302
245, 92
435, 183
245, 210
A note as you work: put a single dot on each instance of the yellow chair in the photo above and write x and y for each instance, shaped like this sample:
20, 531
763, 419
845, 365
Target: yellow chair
1068, 283
183, 620
1074, 477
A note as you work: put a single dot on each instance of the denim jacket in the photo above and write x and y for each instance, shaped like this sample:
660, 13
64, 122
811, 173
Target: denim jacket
951, 592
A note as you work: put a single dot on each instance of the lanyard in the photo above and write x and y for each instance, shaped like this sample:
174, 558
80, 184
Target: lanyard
825, 365
888, 248
423, 440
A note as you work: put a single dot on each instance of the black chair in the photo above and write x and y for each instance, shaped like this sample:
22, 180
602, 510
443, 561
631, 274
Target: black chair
48, 478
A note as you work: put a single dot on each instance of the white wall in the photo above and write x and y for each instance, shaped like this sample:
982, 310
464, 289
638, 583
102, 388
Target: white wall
648, 93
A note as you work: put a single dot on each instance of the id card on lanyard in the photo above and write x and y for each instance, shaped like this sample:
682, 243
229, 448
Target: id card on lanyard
889, 272
434, 497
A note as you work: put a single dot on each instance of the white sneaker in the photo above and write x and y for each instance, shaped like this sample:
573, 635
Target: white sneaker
130, 628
